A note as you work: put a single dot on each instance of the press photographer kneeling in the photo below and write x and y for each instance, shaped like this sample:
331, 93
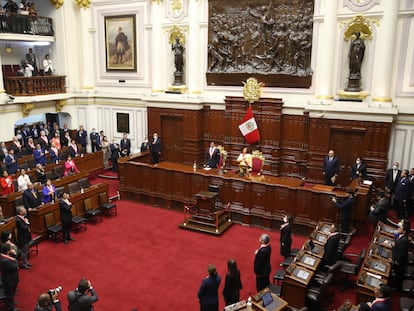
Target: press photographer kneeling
47, 301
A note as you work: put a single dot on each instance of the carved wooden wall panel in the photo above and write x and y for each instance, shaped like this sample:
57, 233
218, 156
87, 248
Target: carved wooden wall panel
293, 145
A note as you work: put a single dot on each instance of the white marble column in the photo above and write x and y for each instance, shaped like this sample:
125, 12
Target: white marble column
194, 61
157, 44
326, 51
87, 40
384, 53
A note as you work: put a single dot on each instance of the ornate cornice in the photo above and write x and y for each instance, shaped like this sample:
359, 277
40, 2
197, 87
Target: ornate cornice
57, 3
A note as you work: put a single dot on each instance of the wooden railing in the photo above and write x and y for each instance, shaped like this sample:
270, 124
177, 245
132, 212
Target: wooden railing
40, 85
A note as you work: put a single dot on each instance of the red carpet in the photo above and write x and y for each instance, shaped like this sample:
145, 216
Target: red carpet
140, 259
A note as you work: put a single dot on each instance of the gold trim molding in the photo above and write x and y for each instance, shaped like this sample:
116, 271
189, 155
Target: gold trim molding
158, 1
324, 97
382, 99
57, 3
60, 104
26, 108
176, 33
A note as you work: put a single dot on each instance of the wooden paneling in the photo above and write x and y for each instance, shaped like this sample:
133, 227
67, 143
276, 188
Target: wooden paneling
293, 145
257, 201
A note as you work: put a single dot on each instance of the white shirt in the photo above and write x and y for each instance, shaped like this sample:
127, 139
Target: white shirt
22, 182
28, 71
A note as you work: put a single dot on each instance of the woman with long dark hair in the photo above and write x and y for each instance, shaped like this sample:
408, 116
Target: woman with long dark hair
286, 236
233, 284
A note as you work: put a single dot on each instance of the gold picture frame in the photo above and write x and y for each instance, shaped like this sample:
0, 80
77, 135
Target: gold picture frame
120, 43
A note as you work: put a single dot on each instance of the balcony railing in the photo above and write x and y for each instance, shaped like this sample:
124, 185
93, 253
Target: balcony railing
24, 24
39, 85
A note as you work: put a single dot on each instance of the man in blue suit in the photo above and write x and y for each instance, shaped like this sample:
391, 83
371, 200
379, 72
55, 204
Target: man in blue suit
330, 168
12, 165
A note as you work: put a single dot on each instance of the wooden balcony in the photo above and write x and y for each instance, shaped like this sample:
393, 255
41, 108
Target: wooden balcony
39, 85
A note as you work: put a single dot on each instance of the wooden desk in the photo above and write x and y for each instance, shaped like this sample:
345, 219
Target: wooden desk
307, 260
9, 225
366, 284
261, 202
37, 217
386, 229
377, 266
318, 250
295, 285
7, 201
278, 303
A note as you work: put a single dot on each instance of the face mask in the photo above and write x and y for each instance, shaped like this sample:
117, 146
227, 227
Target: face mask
285, 219
358, 162
155, 137
395, 167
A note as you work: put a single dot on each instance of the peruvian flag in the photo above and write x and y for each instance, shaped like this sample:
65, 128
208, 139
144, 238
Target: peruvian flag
248, 127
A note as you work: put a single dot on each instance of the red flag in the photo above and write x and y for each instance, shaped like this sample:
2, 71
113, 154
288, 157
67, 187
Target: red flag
248, 127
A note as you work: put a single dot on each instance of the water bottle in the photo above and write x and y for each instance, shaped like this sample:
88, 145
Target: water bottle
195, 166
249, 302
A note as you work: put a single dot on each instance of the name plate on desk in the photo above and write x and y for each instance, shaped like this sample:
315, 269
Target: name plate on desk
370, 280
378, 266
307, 260
299, 273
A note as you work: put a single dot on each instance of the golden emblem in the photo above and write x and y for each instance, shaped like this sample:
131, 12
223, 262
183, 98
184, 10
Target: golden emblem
251, 90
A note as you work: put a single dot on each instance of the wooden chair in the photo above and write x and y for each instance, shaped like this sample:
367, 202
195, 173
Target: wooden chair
108, 208
256, 162
94, 215
78, 222
53, 229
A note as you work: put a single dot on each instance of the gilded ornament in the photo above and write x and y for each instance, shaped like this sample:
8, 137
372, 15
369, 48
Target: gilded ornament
176, 5
358, 24
60, 104
83, 3
26, 108
57, 3
176, 33
252, 90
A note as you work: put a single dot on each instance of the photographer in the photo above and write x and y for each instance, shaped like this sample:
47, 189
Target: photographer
47, 301
82, 298
9, 274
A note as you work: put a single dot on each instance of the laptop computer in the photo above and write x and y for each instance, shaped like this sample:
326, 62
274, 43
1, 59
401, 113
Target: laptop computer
268, 302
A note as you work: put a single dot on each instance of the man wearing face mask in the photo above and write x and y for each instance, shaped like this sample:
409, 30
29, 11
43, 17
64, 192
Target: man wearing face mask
359, 169
392, 177
156, 148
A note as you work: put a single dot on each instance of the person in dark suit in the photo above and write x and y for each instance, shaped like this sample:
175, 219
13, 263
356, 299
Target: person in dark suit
115, 155
81, 137
286, 236
95, 140
9, 273
345, 206
379, 211
410, 203
144, 145
262, 267
73, 149
47, 301
208, 292
392, 176
156, 148
83, 296
400, 251
359, 169
125, 145
401, 195
23, 236
3, 151
17, 147
44, 141
382, 301
331, 247
65, 207
12, 164
330, 168
212, 156
31, 198
233, 284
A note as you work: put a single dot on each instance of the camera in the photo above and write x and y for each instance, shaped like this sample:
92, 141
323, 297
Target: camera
54, 291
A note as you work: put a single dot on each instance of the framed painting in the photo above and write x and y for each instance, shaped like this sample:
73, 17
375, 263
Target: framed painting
122, 122
120, 43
